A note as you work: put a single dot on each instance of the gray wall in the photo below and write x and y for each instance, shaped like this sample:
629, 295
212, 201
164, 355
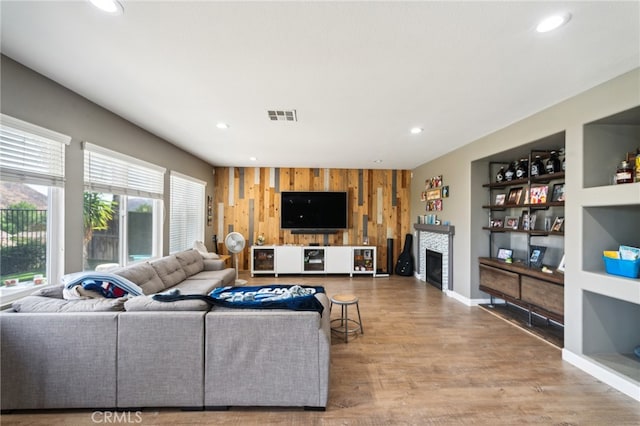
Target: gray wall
31, 97
463, 170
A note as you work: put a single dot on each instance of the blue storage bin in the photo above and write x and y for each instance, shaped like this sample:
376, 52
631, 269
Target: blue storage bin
625, 268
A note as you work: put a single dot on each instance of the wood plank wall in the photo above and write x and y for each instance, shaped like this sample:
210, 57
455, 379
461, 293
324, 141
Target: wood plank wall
247, 200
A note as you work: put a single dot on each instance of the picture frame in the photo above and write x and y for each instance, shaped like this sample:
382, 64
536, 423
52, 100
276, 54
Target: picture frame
504, 253
528, 221
536, 255
434, 182
511, 222
557, 194
434, 205
538, 194
445, 191
433, 194
514, 196
524, 220
560, 267
558, 223
497, 223
500, 199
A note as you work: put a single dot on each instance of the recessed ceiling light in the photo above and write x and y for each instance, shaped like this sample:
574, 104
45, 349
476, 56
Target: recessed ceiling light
378, 161
253, 159
222, 126
112, 7
416, 130
552, 22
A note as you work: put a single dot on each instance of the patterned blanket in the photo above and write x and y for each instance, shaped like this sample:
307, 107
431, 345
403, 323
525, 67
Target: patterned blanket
293, 297
98, 283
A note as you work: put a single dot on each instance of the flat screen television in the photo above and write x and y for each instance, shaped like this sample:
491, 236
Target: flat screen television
315, 211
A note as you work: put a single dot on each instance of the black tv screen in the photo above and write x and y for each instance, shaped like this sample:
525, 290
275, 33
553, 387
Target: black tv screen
313, 210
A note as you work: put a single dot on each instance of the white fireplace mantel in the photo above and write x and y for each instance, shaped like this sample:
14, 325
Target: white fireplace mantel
438, 238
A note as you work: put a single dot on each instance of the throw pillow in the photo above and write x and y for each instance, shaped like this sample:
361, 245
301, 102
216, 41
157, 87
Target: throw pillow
202, 249
53, 291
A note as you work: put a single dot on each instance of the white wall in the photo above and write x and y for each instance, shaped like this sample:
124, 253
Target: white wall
463, 207
31, 97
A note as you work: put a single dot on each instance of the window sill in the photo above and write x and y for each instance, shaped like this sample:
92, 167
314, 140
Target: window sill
11, 294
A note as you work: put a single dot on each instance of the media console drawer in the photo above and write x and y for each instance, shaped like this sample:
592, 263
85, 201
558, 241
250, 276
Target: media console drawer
544, 294
500, 280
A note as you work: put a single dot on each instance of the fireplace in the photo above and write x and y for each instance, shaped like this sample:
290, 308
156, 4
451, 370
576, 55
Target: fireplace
437, 239
434, 268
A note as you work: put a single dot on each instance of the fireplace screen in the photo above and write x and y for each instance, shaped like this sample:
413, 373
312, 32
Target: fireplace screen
434, 268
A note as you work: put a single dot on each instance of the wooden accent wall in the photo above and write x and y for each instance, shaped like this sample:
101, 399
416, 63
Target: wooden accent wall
247, 200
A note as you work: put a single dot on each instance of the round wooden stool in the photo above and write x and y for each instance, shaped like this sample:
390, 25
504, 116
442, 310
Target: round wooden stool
344, 300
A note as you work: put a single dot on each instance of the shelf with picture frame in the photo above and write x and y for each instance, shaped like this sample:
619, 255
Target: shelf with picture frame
526, 217
540, 197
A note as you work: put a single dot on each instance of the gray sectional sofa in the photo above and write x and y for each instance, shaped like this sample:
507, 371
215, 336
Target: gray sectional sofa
138, 352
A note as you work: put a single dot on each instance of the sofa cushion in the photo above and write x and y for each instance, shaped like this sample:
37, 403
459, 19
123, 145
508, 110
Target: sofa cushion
191, 261
193, 286
49, 304
169, 270
144, 275
146, 303
213, 264
227, 276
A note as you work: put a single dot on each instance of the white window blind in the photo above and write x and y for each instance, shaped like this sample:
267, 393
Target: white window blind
187, 212
30, 153
115, 173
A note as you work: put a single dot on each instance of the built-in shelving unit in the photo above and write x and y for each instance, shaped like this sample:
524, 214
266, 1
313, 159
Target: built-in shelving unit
610, 216
520, 281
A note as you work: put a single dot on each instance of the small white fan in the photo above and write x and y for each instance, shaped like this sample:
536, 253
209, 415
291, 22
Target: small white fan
235, 243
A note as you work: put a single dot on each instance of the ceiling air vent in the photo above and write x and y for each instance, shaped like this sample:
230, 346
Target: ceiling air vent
281, 115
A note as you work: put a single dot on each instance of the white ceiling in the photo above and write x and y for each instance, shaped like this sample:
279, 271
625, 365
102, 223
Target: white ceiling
359, 74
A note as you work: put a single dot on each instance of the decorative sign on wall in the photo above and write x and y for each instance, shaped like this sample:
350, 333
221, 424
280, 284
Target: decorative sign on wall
434, 192
209, 210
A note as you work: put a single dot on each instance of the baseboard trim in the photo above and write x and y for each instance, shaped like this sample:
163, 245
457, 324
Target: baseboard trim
467, 301
603, 374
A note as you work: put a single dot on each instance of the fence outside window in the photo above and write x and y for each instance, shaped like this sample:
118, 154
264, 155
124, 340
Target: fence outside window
23, 243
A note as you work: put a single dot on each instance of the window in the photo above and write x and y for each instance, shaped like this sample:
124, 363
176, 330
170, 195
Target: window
187, 212
31, 207
122, 208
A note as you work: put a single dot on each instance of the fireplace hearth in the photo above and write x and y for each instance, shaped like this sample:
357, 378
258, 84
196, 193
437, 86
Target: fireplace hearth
434, 268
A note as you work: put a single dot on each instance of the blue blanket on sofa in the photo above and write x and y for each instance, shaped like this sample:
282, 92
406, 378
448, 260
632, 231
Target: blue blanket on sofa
277, 296
108, 284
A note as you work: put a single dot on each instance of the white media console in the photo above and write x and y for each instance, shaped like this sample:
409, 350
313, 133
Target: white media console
290, 259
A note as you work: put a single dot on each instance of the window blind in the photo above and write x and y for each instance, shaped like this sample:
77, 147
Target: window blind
115, 173
187, 212
31, 154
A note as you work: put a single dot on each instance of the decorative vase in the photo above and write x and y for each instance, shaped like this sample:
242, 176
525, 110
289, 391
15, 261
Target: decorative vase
553, 163
510, 174
537, 168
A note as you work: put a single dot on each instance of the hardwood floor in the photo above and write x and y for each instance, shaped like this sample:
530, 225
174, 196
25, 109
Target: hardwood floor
424, 359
